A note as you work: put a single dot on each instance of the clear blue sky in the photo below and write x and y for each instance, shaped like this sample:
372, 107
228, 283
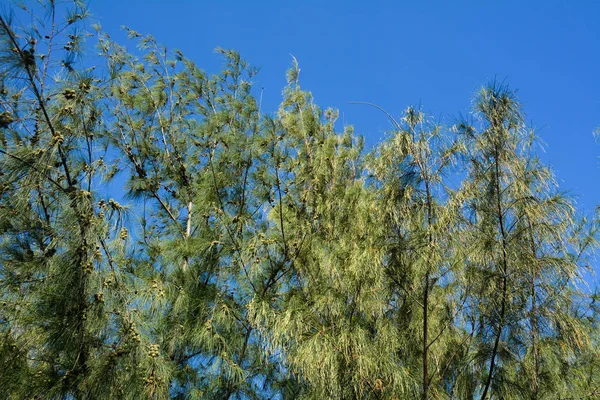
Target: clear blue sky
398, 53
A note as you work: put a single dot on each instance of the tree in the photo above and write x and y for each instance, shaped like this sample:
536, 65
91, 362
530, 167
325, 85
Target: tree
332, 324
420, 215
163, 237
51, 246
524, 253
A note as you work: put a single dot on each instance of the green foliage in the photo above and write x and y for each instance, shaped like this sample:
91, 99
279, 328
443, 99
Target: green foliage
255, 256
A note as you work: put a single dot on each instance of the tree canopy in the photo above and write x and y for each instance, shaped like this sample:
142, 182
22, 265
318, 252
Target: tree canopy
271, 255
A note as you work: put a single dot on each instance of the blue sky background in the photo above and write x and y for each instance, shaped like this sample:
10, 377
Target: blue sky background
400, 53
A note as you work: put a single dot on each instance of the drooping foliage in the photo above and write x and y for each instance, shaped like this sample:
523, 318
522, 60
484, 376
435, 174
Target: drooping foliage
162, 236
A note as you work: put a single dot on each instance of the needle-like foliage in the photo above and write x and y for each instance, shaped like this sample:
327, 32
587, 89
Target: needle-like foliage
162, 237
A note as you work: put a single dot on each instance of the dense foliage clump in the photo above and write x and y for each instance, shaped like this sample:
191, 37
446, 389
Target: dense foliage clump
251, 255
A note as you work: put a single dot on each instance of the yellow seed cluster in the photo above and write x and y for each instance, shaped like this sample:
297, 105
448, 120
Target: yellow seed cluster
135, 334
57, 138
6, 119
153, 350
88, 268
151, 380
69, 94
108, 281
97, 253
160, 292
84, 87
114, 204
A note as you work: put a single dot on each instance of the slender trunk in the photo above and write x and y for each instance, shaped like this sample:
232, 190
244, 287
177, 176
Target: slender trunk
188, 229
425, 339
535, 387
188, 232
504, 277
533, 319
496, 341
426, 291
